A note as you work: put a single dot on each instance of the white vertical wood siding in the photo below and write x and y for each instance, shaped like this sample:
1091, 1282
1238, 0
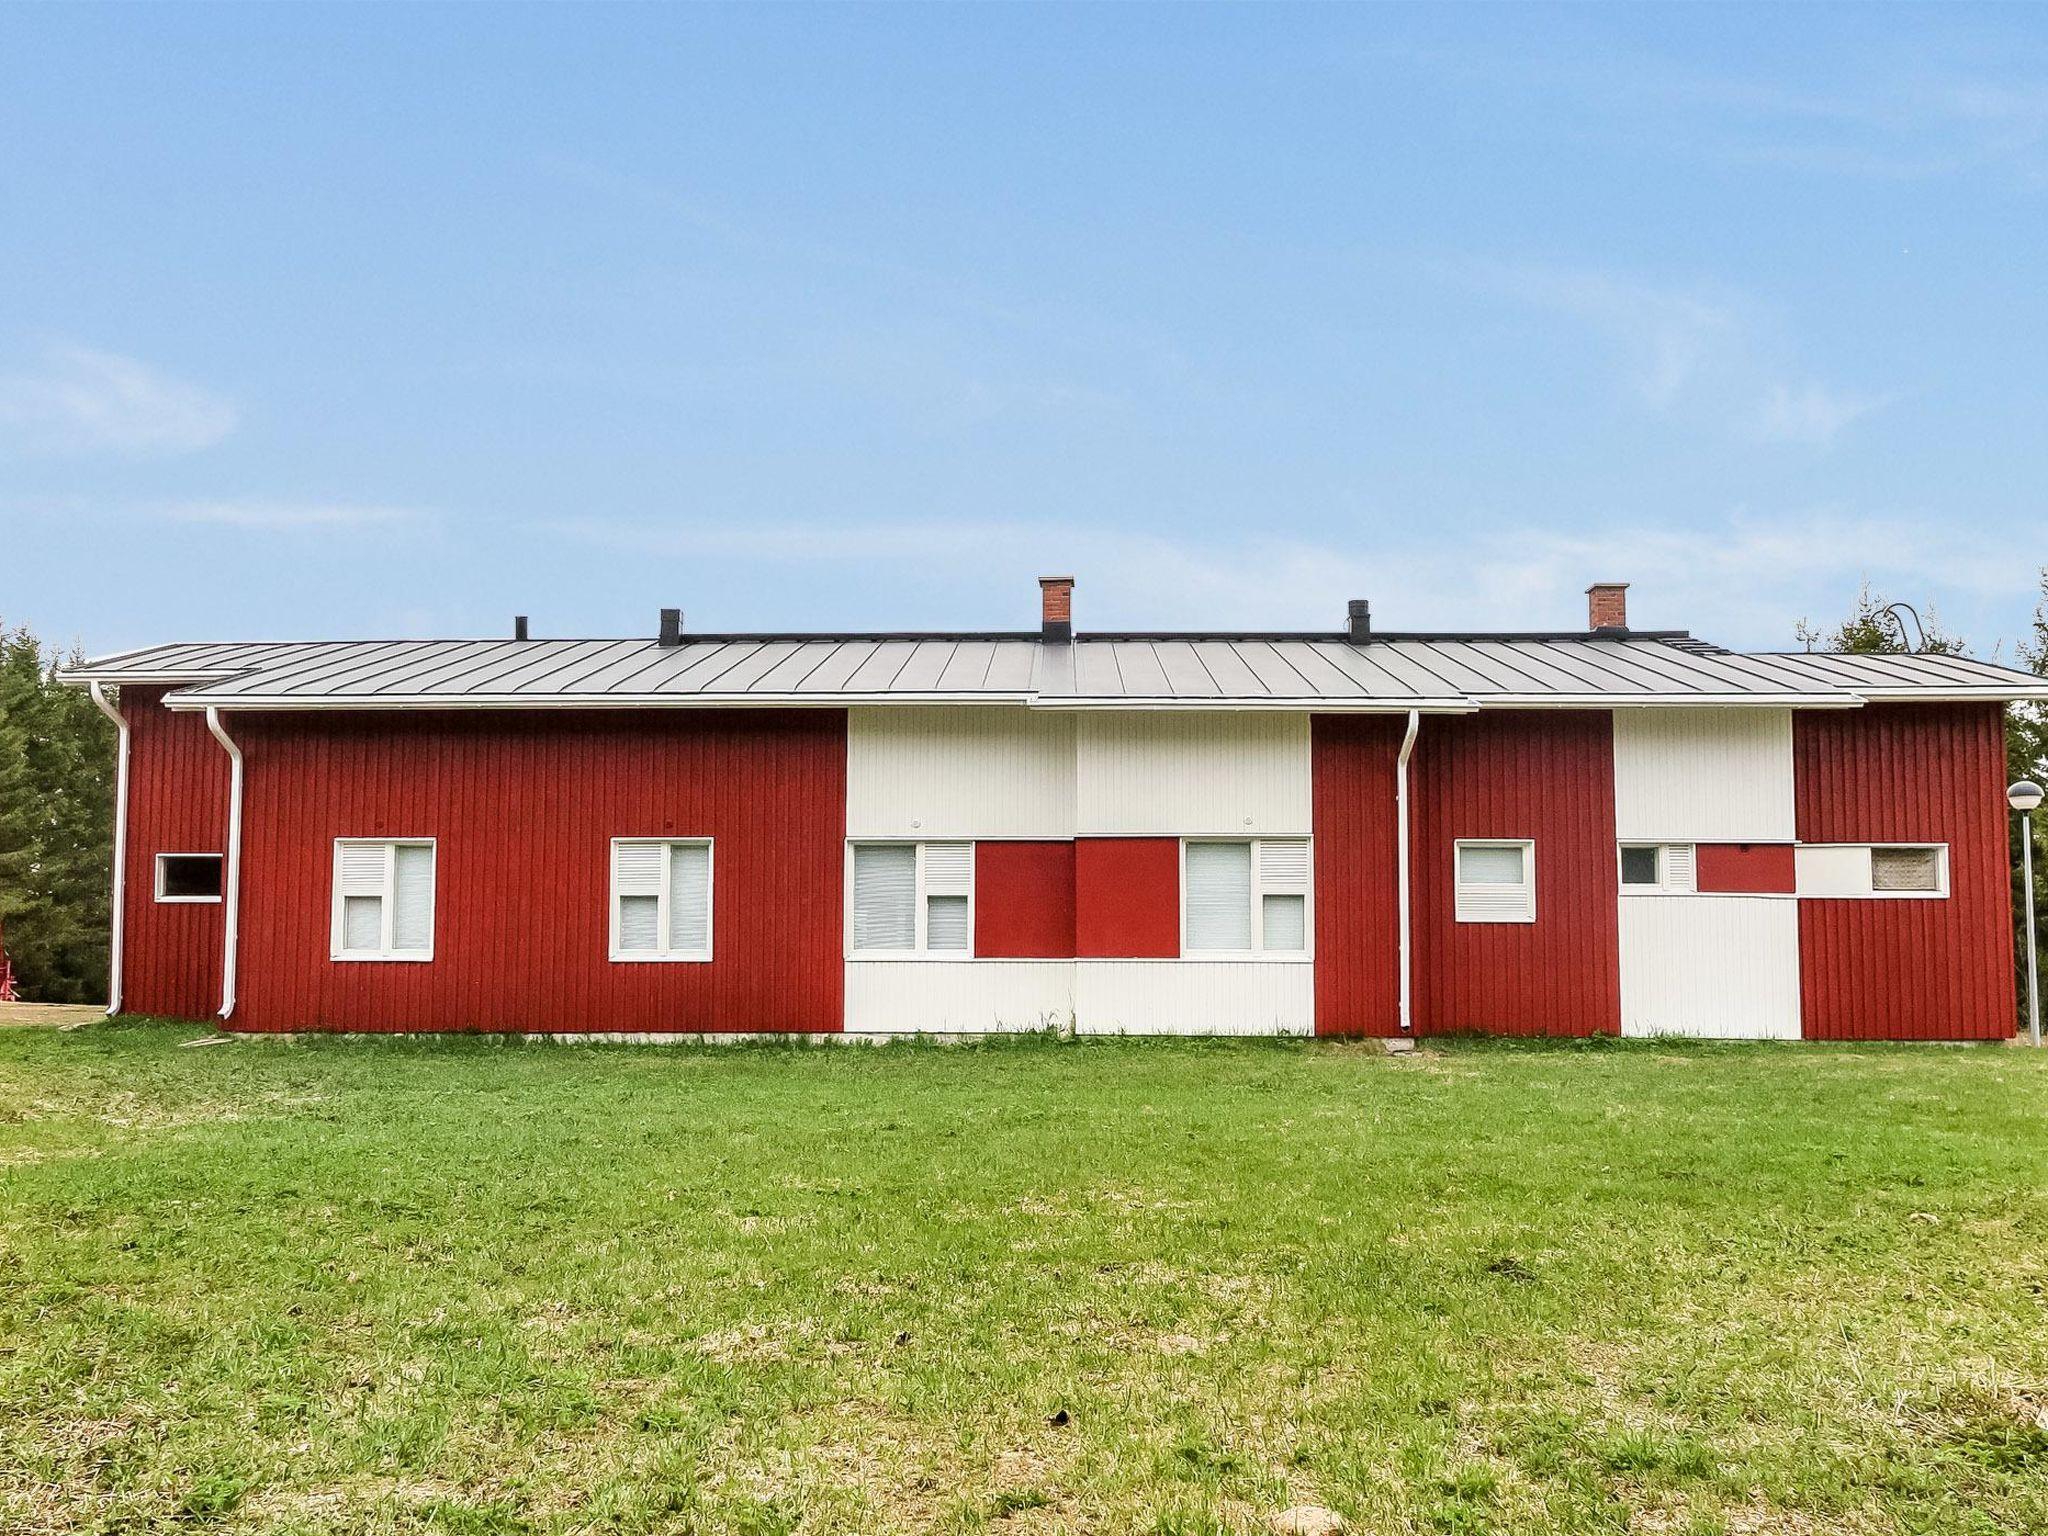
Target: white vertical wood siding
1194, 997
934, 771
1703, 775
1192, 775
1714, 967
901, 997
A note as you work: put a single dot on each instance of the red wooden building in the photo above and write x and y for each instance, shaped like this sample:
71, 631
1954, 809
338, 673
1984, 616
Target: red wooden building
1350, 833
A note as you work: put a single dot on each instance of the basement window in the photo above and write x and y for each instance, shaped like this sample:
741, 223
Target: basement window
383, 898
1496, 880
188, 876
1245, 897
661, 899
911, 900
1905, 870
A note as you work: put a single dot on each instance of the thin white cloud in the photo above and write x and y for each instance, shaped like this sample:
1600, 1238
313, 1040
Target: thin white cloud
79, 400
287, 515
1812, 413
1744, 581
1690, 351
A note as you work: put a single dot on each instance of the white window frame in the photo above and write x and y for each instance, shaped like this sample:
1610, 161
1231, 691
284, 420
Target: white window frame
921, 915
1856, 880
1258, 951
1667, 882
388, 910
1940, 891
662, 953
1528, 847
176, 901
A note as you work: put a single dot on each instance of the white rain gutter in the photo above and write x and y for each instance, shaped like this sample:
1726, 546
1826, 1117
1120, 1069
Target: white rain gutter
233, 915
1401, 864
114, 936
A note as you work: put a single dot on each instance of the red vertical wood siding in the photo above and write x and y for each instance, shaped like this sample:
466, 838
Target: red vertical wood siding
1908, 969
1764, 869
1024, 900
1358, 915
524, 807
1546, 775
177, 803
1127, 898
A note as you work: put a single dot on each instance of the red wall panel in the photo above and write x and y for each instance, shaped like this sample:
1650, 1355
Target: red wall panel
1745, 868
1358, 933
1546, 775
1877, 969
1127, 898
1024, 900
177, 803
524, 808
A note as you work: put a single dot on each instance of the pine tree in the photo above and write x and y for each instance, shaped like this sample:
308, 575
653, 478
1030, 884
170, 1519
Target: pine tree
56, 828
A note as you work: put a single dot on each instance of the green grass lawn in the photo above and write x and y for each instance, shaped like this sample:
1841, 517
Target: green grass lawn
1108, 1287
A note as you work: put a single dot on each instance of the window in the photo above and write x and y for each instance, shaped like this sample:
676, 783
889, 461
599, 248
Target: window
1905, 869
1649, 867
1496, 881
912, 899
1245, 897
661, 899
383, 898
188, 877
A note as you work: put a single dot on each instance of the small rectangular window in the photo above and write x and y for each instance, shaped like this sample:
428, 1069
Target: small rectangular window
1663, 867
188, 876
383, 899
1496, 881
661, 899
912, 899
1905, 869
1245, 897
1641, 865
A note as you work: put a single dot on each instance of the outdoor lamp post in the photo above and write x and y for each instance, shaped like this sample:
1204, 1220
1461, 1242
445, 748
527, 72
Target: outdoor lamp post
2024, 797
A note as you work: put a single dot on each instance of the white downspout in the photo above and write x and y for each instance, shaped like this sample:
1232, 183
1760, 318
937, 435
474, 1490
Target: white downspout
1401, 863
99, 697
233, 914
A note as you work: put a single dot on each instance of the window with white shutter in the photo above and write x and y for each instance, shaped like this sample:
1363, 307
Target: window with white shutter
1245, 896
912, 900
383, 899
1496, 881
1658, 868
661, 898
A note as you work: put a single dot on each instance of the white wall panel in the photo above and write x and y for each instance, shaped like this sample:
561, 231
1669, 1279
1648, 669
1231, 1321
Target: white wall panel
895, 997
1703, 775
1716, 967
1194, 997
934, 771
1187, 775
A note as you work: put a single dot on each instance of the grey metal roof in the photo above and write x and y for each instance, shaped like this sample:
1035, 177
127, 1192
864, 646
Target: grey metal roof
1190, 671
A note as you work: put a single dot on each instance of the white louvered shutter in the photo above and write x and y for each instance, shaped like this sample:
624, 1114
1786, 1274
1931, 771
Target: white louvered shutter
1494, 884
689, 898
1219, 897
1680, 867
885, 896
1283, 901
948, 880
361, 870
636, 884
412, 898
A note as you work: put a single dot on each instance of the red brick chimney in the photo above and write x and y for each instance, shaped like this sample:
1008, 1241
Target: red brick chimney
1056, 607
1607, 605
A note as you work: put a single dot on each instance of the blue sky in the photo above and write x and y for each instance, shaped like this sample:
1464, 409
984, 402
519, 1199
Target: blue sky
391, 321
